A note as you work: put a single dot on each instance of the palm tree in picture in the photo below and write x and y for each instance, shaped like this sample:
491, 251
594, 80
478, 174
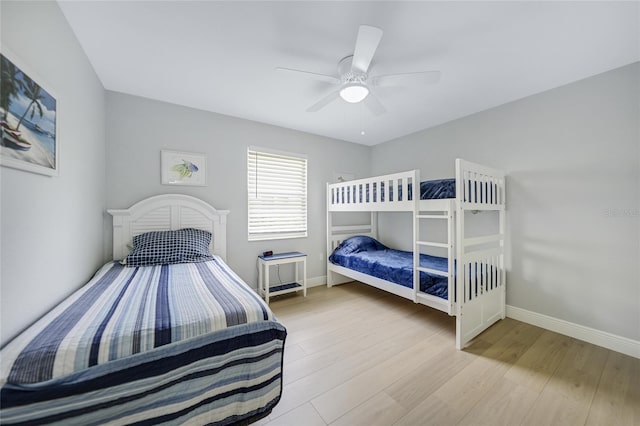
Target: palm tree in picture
34, 93
10, 85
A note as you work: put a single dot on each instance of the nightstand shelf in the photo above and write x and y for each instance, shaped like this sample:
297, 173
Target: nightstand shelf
265, 262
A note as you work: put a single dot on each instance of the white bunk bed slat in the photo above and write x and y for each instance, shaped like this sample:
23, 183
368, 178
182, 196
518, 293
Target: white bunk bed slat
388, 286
432, 301
368, 207
432, 244
433, 271
482, 240
352, 228
433, 216
481, 255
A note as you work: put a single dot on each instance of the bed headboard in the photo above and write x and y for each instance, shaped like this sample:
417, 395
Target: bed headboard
338, 233
168, 213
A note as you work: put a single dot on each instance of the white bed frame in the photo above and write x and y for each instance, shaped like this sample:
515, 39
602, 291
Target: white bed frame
168, 213
477, 292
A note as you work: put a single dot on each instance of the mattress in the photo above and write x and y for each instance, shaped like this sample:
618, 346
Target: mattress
154, 344
369, 256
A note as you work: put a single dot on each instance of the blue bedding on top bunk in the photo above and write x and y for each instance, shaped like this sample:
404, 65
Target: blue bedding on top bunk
429, 190
369, 256
437, 189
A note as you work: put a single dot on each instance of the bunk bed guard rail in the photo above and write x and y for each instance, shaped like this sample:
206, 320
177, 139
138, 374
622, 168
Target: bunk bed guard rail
393, 192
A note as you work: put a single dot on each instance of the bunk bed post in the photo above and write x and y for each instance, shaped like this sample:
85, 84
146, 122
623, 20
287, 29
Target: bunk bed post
416, 233
459, 292
451, 282
501, 265
329, 237
374, 224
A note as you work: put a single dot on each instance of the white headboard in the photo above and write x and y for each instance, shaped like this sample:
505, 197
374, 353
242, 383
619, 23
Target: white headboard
168, 213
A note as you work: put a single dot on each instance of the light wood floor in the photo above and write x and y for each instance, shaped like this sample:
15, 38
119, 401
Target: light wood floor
356, 355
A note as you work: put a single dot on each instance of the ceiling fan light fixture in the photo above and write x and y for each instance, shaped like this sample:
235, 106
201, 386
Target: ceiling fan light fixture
354, 92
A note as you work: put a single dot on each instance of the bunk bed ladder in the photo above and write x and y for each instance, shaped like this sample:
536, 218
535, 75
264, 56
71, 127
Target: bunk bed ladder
447, 215
451, 259
416, 234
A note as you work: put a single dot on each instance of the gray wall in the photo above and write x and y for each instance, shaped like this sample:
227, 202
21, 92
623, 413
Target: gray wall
571, 154
573, 164
52, 227
138, 128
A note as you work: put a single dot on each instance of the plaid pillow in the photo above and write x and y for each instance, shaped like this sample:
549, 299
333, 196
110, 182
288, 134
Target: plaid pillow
167, 247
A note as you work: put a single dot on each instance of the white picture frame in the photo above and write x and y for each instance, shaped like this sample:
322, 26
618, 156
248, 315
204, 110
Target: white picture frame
30, 138
183, 168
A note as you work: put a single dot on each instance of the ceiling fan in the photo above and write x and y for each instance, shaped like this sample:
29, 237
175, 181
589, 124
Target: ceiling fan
353, 81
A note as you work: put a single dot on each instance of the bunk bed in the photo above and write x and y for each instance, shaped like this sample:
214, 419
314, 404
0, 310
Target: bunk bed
473, 270
173, 336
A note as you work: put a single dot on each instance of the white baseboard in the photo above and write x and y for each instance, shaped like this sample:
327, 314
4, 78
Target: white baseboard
601, 338
317, 281
607, 340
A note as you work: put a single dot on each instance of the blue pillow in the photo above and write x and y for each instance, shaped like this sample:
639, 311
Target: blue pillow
358, 244
168, 247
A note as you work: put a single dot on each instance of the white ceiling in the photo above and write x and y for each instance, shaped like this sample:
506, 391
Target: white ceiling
221, 56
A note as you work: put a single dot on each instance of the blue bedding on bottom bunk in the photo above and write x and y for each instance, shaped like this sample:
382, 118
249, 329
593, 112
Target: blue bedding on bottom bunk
369, 256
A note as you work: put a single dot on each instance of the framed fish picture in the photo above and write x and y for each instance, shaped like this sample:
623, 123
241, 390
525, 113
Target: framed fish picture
28, 119
183, 168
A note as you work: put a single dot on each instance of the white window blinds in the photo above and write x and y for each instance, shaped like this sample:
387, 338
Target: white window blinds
277, 190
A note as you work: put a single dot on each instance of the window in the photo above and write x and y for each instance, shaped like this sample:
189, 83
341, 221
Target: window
277, 194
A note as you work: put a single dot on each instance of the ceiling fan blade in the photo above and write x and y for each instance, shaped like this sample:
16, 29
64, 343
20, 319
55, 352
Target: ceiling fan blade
313, 75
406, 79
366, 45
324, 101
373, 103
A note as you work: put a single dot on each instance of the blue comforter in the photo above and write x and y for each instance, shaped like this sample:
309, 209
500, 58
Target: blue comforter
437, 189
429, 190
369, 256
181, 343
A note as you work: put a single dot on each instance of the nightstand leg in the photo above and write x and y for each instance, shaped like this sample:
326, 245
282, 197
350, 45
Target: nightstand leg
260, 278
266, 283
304, 277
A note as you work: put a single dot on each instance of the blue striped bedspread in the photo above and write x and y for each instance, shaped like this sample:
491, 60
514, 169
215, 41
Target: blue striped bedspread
169, 324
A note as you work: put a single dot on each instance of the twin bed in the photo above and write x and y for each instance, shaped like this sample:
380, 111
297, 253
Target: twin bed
174, 336
468, 282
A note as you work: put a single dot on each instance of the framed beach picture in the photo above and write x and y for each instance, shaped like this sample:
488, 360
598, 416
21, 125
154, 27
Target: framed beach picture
28, 119
183, 168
